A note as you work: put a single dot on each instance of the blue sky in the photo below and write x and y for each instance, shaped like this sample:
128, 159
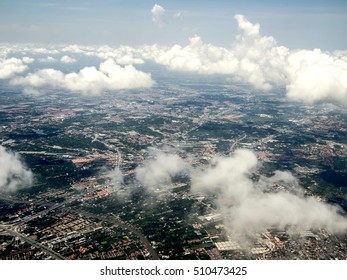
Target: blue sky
295, 24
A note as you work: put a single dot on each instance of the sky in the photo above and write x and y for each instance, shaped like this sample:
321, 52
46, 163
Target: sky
90, 47
295, 24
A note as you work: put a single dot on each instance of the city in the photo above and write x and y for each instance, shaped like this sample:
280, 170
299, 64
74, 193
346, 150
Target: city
79, 207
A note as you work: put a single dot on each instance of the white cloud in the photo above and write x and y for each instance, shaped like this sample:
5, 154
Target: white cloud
316, 76
307, 75
89, 80
158, 13
123, 55
14, 175
74, 49
42, 50
227, 171
196, 57
261, 62
248, 208
246, 204
116, 177
249, 28
67, 59
157, 172
28, 60
117, 183
12, 66
47, 59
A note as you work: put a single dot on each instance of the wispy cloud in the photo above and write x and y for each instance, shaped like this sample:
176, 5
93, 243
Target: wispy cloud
158, 171
14, 175
247, 205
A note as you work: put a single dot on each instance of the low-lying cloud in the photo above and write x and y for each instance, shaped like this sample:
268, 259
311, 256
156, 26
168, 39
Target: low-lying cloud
316, 76
14, 175
116, 183
12, 66
156, 173
89, 80
67, 59
197, 57
248, 205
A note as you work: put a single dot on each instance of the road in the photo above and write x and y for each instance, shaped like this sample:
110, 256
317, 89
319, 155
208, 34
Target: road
114, 219
33, 242
44, 212
231, 150
7, 198
38, 245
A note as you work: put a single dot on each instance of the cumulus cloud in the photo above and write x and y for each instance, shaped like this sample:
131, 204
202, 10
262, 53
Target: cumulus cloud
12, 66
247, 208
67, 59
76, 49
123, 55
89, 80
315, 76
42, 50
197, 57
262, 62
158, 13
14, 175
156, 173
307, 75
28, 60
253, 58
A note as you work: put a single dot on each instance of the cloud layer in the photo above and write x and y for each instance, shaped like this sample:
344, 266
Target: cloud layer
306, 75
89, 80
14, 175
